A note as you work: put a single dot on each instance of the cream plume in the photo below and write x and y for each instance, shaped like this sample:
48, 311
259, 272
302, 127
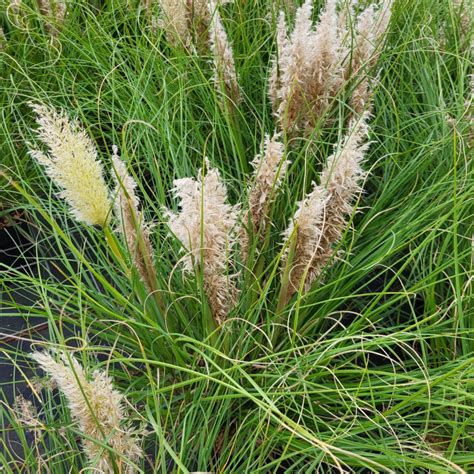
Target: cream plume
309, 67
269, 170
205, 227
132, 224
182, 18
72, 164
174, 21
305, 231
45, 8
60, 10
370, 31
54, 12
321, 217
282, 57
341, 178
98, 409
225, 76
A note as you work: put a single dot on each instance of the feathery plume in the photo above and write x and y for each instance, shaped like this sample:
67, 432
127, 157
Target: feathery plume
45, 8
321, 217
341, 178
132, 224
72, 164
306, 229
310, 67
205, 227
370, 30
269, 170
199, 12
54, 12
182, 18
282, 56
60, 10
174, 21
225, 76
199, 20
98, 409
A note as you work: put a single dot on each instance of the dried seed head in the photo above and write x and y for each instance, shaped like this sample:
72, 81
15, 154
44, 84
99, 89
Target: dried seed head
278, 61
225, 76
54, 12
60, 10
72, 164
310, 67
99, 410
205, 227
370, 31
269, 170
305, 230
184, 20
45, 9
341, 178
174, 21
26, 414
131, 222
321, 217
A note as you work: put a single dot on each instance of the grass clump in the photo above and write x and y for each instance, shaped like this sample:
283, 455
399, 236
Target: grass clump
344, 343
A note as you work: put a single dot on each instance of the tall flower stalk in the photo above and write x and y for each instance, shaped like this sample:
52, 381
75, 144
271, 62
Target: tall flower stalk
320, 219
370, 30
225, 76
205, 227
72, 163
98, 409
308, 72
132, 224
269, 170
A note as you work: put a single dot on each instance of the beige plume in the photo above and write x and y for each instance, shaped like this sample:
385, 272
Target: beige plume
205, 227
132, 224
308, 72
320, 220
225, 76
269, 170
98, 409
370, 31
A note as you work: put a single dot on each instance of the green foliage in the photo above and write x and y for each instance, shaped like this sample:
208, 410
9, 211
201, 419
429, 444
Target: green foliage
373, 368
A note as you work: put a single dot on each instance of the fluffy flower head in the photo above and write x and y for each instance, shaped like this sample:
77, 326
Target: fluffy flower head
205, 226
98, 409
71, 162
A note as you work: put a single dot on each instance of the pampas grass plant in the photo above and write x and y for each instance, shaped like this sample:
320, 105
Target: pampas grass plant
276, 273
